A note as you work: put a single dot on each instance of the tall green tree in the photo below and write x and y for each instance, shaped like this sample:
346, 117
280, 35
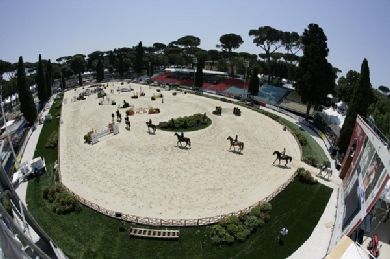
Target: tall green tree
254, 82
139, 58
41, 82
77, 63
229, 42
49, 80
268, 39
199, 73
347, 84
315, 76
361, 100
27, 105
99, 70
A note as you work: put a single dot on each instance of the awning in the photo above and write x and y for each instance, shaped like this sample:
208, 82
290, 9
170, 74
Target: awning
347, 249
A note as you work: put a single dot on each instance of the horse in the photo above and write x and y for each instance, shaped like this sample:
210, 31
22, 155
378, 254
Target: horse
235, 144
280, 156
181, 139
328, 172
151, 126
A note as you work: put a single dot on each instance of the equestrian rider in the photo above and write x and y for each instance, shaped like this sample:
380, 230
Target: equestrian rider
236, 139
284, 152
182, 135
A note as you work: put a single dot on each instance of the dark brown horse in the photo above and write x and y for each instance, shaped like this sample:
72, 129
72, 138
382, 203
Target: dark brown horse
280, 156
181, 139
235, 144
152, 126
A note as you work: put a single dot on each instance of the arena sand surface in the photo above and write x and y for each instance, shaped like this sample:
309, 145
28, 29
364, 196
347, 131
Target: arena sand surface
147, 175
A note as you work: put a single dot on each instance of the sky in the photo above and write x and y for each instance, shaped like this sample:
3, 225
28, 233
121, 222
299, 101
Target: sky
356, 29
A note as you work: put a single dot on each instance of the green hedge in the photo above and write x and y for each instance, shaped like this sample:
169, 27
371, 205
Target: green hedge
187, 123
235, 228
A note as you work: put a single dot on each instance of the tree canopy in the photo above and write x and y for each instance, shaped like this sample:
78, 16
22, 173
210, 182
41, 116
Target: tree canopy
384, 89
230, 41
188, 42
315, 76
77, 64
347, 84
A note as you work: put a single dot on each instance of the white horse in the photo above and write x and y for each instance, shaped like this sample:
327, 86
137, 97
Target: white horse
327, 172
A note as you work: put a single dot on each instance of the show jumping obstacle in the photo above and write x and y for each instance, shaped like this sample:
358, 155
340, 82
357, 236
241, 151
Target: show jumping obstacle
96, 135
154, 233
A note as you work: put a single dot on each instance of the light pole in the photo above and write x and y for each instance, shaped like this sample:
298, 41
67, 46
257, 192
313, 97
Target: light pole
246, 65
195, 60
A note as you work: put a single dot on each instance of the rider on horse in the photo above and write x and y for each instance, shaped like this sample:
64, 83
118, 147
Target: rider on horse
236, 139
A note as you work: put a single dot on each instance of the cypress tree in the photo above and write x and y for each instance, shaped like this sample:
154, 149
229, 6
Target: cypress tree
99, 70
49, 80
139, 57
361, 100
41, 84
199, 73
27, 105
121, 66
254, 82
63, 82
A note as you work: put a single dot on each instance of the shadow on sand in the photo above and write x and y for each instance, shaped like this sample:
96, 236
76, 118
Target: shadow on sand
282, 166
236, 152
184, 147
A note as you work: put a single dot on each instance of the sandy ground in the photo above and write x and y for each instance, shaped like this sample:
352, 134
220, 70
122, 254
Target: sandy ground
149, 176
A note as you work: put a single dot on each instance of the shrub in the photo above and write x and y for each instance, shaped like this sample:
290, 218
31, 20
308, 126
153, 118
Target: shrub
153, 98
266, 207
252, 222
265, 216
305, 176
219, 235
242, 235
234, 220
174, 93
158, 90
311, 161
101, 94
52, 140
87, 138
255, 211
65, 203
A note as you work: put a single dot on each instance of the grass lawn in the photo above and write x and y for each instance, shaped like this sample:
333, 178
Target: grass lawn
87, 234
311, 149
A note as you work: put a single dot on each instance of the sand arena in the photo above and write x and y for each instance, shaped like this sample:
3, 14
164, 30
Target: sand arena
146, 175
